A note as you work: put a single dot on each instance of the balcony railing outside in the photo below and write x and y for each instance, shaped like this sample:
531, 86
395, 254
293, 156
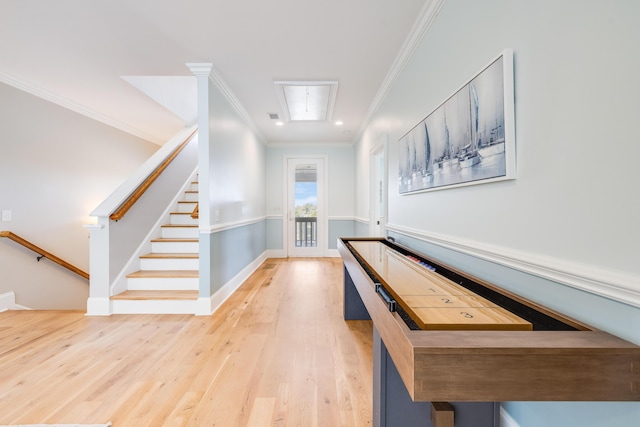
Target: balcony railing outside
306, 232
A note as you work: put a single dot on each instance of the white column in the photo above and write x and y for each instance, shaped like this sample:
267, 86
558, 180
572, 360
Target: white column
202, 71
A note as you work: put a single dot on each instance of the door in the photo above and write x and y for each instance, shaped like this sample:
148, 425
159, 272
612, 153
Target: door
307, 223
378, 190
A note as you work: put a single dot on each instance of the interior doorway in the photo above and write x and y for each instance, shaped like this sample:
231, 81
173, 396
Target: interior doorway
378, 195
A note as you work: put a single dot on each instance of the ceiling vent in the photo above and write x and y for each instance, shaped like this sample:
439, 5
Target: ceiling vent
307, 100
273, 116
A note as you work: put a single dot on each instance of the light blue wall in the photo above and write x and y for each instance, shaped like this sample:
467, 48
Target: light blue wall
234, 249
573, 204
340, 228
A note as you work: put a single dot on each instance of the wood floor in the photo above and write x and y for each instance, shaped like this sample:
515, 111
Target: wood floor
277, 353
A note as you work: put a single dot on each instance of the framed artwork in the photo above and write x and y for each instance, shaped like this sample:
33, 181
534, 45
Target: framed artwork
468, 139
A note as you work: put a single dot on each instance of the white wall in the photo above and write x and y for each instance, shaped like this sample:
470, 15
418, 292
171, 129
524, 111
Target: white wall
574, 204
339, 169
55, 167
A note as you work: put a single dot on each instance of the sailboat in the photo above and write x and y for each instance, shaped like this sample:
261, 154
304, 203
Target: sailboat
469, 155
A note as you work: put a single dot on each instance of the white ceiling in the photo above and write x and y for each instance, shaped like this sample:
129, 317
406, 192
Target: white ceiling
91, 55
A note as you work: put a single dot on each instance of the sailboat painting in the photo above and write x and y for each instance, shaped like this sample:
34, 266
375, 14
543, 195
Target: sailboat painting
468, 139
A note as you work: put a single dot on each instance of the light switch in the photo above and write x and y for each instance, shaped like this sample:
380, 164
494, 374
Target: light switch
6, 216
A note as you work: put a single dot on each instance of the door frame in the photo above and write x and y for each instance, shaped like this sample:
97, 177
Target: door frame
321, 249
380, 148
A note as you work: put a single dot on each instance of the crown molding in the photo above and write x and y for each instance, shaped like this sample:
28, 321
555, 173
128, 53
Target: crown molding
77, 108
427, 15
235, 103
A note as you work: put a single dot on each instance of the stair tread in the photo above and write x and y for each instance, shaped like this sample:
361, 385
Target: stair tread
187, 255
159, 274
156, 295
174, 239
181, 213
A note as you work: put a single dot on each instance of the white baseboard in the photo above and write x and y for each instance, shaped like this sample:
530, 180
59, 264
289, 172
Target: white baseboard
7, 301
506, 420
98, 306
207, 306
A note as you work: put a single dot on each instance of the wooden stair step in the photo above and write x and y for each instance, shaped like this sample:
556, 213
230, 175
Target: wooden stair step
163, 274
171, 255
156, 295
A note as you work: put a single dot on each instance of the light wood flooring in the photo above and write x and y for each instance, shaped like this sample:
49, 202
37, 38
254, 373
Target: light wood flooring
277, 353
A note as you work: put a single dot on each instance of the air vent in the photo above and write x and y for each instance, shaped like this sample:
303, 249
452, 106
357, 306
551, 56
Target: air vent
273, 116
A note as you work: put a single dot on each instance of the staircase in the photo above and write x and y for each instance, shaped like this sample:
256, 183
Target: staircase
167, 282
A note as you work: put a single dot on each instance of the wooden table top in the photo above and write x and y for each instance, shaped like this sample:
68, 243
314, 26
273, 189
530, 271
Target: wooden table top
433, 301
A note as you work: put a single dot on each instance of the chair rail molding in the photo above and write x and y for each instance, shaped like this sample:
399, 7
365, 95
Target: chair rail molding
615, 286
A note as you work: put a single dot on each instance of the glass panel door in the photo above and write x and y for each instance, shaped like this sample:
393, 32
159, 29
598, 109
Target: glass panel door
306, 228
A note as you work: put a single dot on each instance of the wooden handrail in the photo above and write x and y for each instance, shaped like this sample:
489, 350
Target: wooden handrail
195, 214
133, 198
43, 253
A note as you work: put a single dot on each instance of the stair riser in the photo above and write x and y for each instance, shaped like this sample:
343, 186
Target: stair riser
187, 207
168, 264
163, 284
183, 219
191, 197
153, 307
194, 187
180, 232
174, 247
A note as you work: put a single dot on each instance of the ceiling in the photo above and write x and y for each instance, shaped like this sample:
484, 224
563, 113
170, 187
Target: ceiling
124, 62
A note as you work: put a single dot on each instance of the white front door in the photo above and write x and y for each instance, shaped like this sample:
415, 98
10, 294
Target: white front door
378, 190
306, 207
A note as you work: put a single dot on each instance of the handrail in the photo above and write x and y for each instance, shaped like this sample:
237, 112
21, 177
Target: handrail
195, 214
133, 198
43, 253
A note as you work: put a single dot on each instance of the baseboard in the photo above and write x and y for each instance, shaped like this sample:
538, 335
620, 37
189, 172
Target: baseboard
98, 306
275, 253
207, 306
506, 420
7, 301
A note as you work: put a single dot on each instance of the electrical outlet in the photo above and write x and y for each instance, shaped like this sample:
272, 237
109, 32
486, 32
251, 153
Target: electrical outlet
6, 216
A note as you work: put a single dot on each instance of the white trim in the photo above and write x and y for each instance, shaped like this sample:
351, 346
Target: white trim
7, 301
616, 286
341, 218
98, 306
379, 148
210, 229
206, 306
275, 253
425, 19
77, 108
275, 217
322, 233
362, 220
506, 420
